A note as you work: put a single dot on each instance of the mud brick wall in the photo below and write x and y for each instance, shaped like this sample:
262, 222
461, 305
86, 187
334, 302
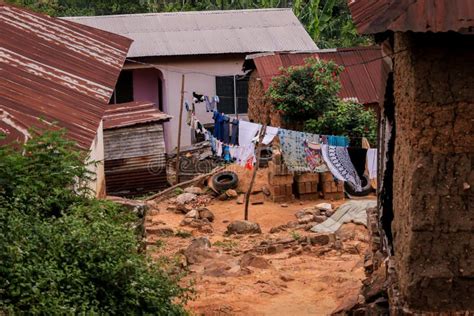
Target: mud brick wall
433, 175
260, 110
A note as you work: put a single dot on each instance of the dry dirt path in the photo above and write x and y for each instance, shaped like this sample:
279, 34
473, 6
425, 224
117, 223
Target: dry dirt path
311, 282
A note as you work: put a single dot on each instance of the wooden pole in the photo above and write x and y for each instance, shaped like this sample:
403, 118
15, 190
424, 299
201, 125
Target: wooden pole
179, 129
249, 191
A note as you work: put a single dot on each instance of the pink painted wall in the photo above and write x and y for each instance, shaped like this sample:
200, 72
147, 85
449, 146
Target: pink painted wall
145, 85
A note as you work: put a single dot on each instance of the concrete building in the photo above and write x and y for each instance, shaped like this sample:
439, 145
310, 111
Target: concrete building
55, 73
426, 194
209, 47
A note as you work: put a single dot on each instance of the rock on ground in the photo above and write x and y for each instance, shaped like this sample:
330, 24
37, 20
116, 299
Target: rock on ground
243, 227
204, 213
185, 198
198, 250
193, 190
251, 260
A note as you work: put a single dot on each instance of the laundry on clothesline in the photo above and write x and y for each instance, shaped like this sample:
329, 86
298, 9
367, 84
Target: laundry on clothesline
372, 163
211, 103
293, 150
314, 157
339, 163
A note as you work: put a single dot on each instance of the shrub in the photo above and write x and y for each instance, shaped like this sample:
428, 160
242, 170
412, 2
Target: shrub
306, 91
348, 118
64, 253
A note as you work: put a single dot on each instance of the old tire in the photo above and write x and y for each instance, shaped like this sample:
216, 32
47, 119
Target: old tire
225, 180
366, 187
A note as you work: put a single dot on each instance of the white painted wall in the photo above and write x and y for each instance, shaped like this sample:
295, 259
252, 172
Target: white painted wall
97, 154
201, 83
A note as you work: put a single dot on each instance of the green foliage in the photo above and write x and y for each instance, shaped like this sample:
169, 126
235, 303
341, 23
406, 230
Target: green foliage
62, 252
306, 91
348, 118
226, 244
183, 234
295, 235
328, 22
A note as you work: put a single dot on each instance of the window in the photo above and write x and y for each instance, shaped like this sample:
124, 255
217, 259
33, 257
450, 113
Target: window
124, 88
225, 91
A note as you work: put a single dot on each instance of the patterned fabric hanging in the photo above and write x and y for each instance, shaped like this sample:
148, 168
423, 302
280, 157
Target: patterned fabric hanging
339, 163
293, 150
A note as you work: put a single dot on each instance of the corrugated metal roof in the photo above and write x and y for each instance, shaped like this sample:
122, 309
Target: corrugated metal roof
361, 78
55, 70
207, 32
376, 16
132, 113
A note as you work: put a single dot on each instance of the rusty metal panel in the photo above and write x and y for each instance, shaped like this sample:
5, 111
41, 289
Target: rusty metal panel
132, 113
207, 32
376, 16
135, 160
56, 70
361, 78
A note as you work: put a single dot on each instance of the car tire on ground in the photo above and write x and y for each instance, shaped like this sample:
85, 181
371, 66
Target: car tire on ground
366, 187
225, 180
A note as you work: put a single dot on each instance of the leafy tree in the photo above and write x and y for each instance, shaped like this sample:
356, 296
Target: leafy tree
62, 252
306, 91
348, 118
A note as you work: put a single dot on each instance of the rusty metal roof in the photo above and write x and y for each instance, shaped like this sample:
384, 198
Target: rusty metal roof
132, 113
57, 71
361, 78
376, 16
207, 32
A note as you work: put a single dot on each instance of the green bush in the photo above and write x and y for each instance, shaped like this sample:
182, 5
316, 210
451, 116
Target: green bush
62, 252
346, 119
306, 91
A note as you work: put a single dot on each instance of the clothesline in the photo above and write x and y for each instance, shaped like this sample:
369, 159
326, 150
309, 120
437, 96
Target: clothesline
302, 152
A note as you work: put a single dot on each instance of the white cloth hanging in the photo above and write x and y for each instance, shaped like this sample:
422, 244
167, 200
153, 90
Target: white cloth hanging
247, 132
270, 134
372, 162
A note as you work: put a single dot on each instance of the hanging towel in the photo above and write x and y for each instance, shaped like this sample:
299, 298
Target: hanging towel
372, 163
216, 116
270, 133
365, 143
314, 157
247, 132
293, 150
211, 104
338, 141
225, 129
339, 163
235, 132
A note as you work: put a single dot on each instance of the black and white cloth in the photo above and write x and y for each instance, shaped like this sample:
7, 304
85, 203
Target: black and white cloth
339, 163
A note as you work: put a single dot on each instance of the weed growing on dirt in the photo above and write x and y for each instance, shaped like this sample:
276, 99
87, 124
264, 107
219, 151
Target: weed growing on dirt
183, 234
226, 244
178, 191
295, 235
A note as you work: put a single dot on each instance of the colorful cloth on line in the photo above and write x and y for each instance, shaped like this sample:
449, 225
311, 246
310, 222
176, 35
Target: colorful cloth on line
293, 150
338, 141
314, 157
339, 163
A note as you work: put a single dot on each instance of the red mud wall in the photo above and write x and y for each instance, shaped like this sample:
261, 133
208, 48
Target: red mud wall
433, 175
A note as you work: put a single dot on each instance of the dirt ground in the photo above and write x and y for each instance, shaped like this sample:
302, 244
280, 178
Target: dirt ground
312, 281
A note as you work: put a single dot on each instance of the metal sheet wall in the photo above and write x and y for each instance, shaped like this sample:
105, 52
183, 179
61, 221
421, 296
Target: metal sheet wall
135, 161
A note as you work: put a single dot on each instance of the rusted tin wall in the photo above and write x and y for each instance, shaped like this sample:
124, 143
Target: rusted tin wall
135, 161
